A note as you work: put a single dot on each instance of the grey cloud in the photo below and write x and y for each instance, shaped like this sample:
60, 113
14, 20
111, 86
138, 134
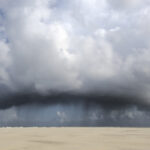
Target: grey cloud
75, 46
127, 4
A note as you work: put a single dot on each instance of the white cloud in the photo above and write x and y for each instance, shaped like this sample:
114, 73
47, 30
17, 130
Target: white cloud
62, 116
75, 45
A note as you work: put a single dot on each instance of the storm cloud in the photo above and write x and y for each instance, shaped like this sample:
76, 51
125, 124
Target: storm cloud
77, 49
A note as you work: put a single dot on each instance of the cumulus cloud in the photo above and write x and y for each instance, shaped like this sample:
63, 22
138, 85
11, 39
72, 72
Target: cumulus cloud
85, 46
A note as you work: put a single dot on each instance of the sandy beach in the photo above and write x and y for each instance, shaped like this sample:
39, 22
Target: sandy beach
74, 138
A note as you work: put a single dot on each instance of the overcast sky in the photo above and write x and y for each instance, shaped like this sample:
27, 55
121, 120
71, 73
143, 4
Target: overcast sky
83, 46
77, 45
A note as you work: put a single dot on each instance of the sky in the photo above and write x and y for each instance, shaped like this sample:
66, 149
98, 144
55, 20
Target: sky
83, 49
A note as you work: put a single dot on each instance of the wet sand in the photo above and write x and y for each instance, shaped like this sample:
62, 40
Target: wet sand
74, 138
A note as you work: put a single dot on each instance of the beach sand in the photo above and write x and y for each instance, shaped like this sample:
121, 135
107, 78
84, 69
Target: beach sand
74, 138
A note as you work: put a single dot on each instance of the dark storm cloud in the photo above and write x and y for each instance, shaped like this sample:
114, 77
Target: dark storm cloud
109, 102
60, 111
98, 50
